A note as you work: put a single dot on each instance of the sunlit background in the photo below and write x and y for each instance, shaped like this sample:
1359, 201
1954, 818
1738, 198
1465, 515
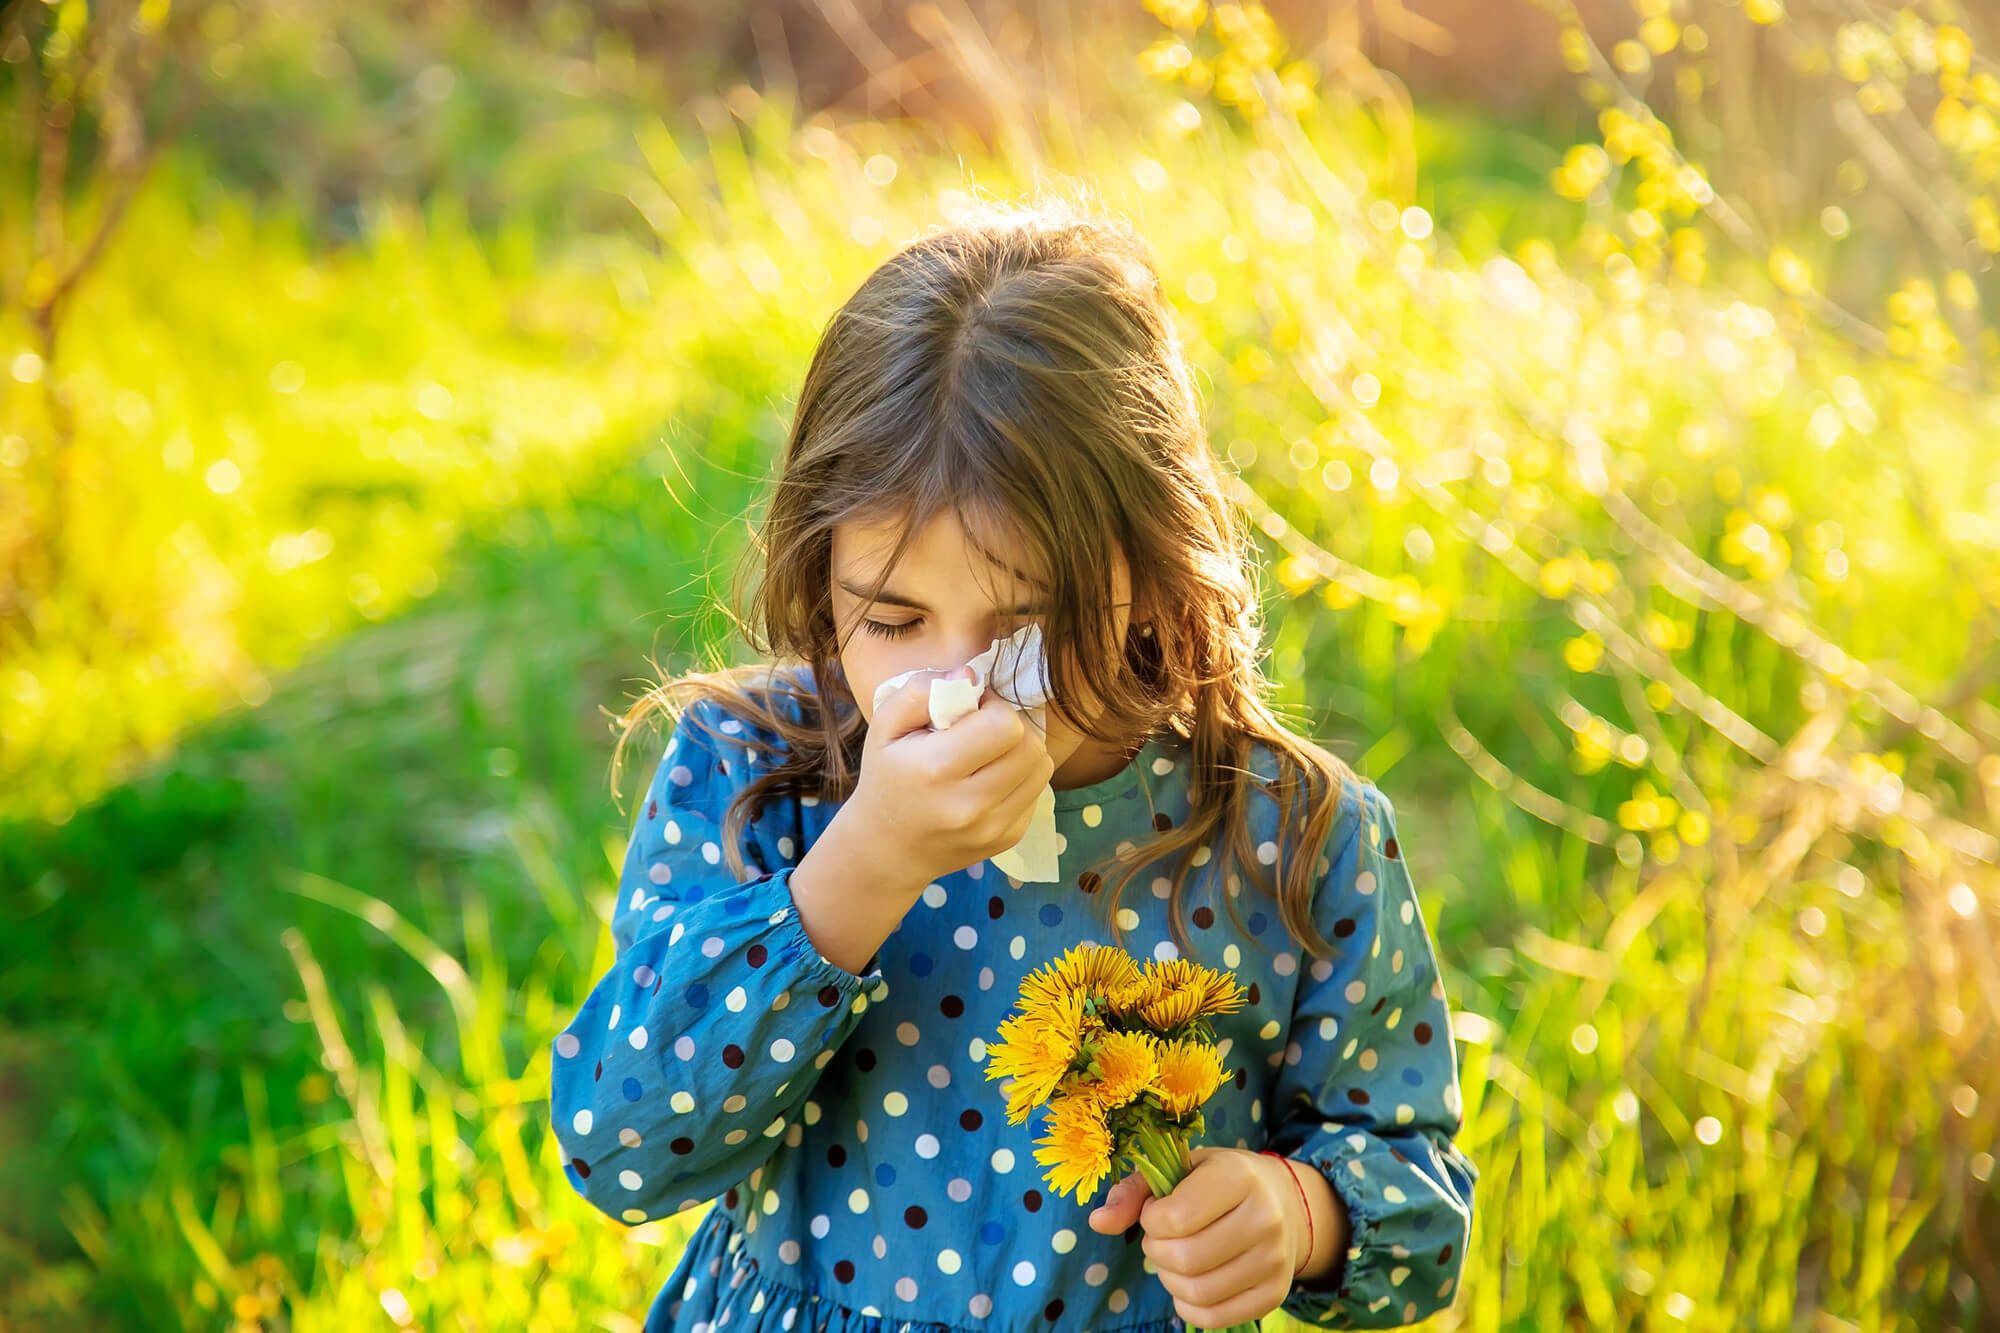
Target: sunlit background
383, 384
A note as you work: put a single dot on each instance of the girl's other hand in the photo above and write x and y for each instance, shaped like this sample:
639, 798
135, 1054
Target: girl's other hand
948, 799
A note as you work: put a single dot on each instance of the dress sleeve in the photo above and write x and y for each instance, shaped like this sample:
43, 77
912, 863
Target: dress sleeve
691, 1057
1368, 1094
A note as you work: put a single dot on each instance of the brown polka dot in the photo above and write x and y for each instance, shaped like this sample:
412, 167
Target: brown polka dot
1343, 927
995, 908
682, 1146
844, 1270
1053, 1310
729, 1199
1032, 1201
864, 1059
951, 1006
970, 1119
1444, 1255
914, 1217
582, 1167
598, 1073
1090, 881
1379, 1001
732, 1055
1162, 821
1255, 994
836, 1156
829, 996
1390, 850
1242, 1076
1423, 1031
1204, 917
757, 953
1359, 1096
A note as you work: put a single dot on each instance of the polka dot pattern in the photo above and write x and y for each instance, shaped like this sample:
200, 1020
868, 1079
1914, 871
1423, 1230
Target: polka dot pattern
842, 1123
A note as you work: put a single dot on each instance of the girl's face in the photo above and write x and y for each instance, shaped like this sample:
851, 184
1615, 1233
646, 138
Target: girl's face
944, 605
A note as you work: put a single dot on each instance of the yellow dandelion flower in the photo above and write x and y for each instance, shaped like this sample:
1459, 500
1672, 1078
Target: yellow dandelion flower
1189, 1074
1181, 991
1036, 1049
1077, 1148
1090, 969
1127, 1063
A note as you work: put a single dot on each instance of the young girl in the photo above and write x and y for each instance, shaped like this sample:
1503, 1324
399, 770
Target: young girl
999, 429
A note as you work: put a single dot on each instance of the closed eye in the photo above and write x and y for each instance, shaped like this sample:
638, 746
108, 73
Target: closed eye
890, 631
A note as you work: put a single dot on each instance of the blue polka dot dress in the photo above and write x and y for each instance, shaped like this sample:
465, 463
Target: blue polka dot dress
866, 1179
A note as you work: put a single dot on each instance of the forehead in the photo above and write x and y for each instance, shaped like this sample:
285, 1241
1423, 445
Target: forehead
943, 555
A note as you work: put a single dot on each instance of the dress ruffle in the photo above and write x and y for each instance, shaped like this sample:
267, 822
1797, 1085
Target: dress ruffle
719, 1285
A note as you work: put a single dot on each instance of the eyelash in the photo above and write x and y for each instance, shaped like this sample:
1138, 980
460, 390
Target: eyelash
887, 631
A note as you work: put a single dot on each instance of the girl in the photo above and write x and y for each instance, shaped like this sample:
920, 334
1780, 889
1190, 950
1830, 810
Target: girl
999, 428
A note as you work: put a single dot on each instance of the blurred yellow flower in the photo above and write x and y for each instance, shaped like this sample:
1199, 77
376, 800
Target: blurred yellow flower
1189, 1074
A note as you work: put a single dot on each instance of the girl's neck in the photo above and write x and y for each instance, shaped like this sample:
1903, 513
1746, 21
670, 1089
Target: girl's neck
1094, 761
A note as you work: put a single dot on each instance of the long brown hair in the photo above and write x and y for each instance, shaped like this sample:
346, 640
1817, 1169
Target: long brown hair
1021, 370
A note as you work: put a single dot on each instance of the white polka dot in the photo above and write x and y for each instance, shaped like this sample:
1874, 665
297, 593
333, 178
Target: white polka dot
965, 937
567, 1046
629, 1137
737, 999
906, 1288
672, 832
634, 1215
858, 1201
1093, 815
643, 975
711, 853
895, 1103
1405, 1113
927, 1146
938, 1076
1357, 990
1127, 919
959, 1189
934, 895
1267, 852
981, 1305
682, 1101
1166, 951
583, 1121
1063, 1241
782, 1051
638, 1039
1329, 1028
788, 1251
1163, 888
1364, 883
1096, 1274
1232, 956
613, 1024
660, 872
684, 1047
630, 1179
1392, 1194
948, 1261
1368, 1059
1016, 947
1269, 1030
1024, 1274
1285, 964
1117, 1301
712, 947
820, 1226
1003, 1160
680, 775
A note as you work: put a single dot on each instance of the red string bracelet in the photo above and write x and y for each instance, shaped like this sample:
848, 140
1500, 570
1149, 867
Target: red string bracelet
1300, 1187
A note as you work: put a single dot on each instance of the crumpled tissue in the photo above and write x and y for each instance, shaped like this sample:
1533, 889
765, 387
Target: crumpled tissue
1017, 669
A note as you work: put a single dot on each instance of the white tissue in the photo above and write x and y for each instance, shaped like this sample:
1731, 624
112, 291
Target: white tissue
1017, 669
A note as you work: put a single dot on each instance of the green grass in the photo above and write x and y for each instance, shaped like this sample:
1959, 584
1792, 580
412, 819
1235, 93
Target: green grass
277, 989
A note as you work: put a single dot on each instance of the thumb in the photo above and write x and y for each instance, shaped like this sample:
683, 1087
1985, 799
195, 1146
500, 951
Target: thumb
1121, 1205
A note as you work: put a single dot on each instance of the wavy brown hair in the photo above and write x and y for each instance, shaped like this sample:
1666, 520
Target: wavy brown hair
1021, 369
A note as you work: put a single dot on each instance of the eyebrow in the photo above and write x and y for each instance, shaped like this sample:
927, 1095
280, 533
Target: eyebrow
889, 598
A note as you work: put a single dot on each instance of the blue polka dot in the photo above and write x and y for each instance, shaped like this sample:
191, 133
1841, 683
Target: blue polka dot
693, 893
1413, 1078
633, 1090
885, 1175
1051, 914
1257, 923
697, 996
737, 903
920, 964
992, 1232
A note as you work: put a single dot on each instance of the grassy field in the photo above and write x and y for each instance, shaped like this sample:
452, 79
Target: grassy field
1664, 609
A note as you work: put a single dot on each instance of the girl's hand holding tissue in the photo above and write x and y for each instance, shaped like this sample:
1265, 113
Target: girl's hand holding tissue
944, 800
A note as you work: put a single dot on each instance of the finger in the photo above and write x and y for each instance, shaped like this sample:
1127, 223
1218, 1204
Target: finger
1120, 1208
906, 708
1241, 1273
1237, 1232
1215, 1185
1267, 1290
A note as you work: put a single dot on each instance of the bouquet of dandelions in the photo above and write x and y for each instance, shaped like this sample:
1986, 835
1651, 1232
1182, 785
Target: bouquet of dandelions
1122, 1057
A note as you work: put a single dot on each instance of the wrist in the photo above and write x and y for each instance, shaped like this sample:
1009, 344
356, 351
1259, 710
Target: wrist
1302, 1231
